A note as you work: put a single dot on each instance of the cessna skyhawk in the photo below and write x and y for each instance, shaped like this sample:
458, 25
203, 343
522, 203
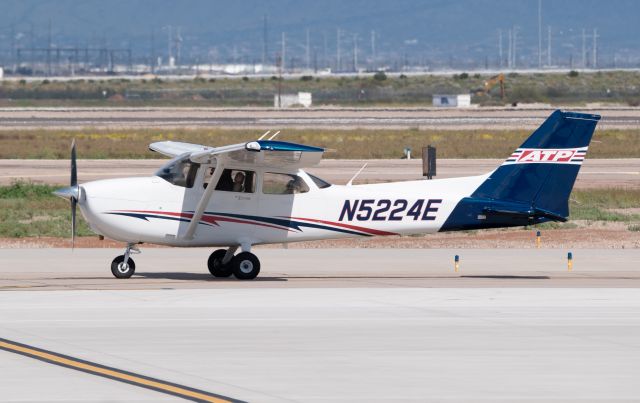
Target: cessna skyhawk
254, 193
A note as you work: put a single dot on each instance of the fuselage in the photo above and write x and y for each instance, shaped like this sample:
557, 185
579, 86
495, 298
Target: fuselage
155, 210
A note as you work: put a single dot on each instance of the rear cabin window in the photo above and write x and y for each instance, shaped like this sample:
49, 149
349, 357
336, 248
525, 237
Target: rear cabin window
320, 183
237, 180
278, 184
179, 172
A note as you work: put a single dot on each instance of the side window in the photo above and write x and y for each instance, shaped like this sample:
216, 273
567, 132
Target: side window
321, 183
277, 184
237, 180
179, 173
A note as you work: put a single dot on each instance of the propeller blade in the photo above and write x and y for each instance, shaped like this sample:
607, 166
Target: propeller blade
74, 203
74, 169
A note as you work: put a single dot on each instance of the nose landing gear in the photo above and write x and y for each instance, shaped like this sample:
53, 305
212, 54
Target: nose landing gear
123, 266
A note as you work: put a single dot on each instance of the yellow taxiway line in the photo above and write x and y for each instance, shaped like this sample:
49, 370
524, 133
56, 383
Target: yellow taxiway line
113, 373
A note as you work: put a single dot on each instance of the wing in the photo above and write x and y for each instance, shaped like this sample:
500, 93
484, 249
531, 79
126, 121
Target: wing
266, 153
175, 148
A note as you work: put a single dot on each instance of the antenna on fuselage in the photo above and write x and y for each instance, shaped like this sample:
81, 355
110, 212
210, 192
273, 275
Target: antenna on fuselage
264, 135
274, 135
356, 175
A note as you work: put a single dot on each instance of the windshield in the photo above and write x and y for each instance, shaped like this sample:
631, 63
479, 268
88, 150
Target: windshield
180, 171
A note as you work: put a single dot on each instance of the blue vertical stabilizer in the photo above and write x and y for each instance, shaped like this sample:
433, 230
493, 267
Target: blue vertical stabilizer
533, 185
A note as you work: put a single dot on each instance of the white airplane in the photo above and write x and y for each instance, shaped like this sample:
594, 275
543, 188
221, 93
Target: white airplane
257, 193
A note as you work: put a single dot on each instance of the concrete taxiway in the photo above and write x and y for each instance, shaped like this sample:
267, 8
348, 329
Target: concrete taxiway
326, 326
623, 172
168, 268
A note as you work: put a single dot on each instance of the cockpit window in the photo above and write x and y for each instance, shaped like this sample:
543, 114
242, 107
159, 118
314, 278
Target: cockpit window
274, 183
179, 172
236, 180
322, 184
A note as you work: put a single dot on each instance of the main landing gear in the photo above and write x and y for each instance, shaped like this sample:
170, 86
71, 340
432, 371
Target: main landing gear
244, 266
123, 266
222, 263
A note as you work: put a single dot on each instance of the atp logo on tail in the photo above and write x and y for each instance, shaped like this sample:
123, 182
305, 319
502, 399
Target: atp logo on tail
573, 156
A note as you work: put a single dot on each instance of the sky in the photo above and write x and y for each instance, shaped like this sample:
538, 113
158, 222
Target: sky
435, 32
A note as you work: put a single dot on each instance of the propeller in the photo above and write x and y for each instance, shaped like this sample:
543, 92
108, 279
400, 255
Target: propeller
72, 193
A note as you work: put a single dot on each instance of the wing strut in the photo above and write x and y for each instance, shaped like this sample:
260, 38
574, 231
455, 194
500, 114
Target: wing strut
202, 204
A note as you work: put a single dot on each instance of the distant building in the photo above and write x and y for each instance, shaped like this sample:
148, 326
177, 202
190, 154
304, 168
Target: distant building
289, 100
452, 101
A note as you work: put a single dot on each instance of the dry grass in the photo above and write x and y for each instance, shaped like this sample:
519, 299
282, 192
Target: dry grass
558, 88
367, 144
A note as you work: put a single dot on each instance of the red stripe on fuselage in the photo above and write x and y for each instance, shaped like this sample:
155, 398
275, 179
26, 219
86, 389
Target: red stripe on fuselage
349, 226
210, 219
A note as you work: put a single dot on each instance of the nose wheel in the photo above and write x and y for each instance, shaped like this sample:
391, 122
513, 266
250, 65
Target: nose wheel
122, 269
123, 266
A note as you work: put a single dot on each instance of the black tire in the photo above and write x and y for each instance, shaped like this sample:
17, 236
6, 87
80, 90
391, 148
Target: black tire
246, 266
216, 268
122, 272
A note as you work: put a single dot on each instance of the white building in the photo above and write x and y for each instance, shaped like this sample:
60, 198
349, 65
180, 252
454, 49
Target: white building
289, 100
452, 101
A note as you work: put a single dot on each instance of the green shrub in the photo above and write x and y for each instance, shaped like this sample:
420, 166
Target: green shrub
573, 73
380, 76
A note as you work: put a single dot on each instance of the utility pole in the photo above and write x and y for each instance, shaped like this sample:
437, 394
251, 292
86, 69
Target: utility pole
49, 50
510, 49
283, 53
152, 58
265, 41
169, 47
315, 60
373, 48
279, 62
584, 49
539, 34
515, 47
355, 52
500, 60
338, 50
549, 46
308, 52
178, 46
595, 48
325, 62
13, 57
